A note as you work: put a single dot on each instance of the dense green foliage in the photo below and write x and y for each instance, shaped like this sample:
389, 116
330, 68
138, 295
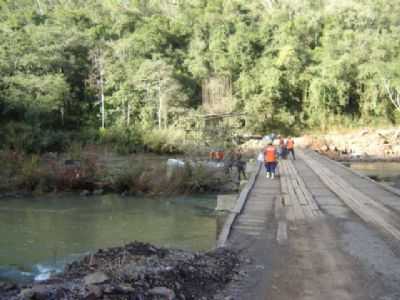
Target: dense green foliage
293, 65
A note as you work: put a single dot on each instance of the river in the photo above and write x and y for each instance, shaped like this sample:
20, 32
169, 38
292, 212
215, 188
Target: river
386, 172
38, 236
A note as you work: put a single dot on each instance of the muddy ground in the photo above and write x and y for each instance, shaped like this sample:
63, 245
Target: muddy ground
137, 271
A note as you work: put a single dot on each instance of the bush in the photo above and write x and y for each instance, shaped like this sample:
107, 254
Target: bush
158, 179
124, 140
165, 141
31, 173
33, 139
75, 151
132, 179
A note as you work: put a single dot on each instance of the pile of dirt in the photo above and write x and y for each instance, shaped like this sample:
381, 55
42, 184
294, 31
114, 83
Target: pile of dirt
136, 271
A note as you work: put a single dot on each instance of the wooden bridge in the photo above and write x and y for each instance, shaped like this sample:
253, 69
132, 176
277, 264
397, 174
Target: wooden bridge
317, 231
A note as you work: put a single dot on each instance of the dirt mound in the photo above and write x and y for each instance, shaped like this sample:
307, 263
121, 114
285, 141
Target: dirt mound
135, 271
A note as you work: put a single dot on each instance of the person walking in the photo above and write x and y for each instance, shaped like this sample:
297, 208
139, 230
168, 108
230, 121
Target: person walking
270, 160
290, 147
282, 148
230, 161
240, 165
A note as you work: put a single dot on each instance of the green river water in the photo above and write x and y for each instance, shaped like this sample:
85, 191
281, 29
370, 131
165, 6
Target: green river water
38, 236
386, 172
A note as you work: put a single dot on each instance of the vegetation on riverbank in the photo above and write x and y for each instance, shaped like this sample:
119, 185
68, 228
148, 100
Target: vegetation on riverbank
80, 170
134, 67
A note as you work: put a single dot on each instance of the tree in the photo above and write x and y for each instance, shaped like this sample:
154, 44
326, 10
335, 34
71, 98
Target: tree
156, 79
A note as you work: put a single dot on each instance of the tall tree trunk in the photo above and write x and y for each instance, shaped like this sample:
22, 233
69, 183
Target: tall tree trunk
39, 7
128, 115
62, 115
103, 117
159, 105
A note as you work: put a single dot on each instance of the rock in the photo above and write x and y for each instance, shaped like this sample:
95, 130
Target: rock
84, 193
93, 292
38, 293
125, 289
95, 278
98, 192
324, 148
26, 294
8, 286
159, 273
167, 293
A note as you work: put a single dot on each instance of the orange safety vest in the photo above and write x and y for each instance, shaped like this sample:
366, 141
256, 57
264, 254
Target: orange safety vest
270, 154
290, 144
220, 155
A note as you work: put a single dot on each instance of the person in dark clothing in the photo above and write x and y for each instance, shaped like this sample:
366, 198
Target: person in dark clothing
230, 162
240, 165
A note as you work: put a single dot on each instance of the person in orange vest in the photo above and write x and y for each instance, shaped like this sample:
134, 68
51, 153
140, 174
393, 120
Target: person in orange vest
270, 160
290, 147
221, 155
211, 155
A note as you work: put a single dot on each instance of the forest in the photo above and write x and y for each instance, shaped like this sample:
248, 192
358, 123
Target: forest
134, 72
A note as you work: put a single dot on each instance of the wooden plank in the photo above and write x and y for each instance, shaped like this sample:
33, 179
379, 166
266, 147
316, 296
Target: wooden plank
304, 194
281, 233
244, 195
364, 206
383, 185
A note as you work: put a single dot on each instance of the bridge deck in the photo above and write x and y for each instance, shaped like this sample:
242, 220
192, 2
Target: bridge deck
318, 231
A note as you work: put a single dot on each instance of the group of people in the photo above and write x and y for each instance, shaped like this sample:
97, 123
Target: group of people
272, 153
233, 159
216, 155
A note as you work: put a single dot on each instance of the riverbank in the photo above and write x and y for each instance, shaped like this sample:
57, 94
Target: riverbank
366, 144
94, 172
135, 271
363, 144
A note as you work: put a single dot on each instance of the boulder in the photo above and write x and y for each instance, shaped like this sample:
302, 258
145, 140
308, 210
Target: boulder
95, 278
93, 292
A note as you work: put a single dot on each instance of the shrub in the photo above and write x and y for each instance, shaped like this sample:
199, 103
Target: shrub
75, 151
124, 140
33, 139
158, 179
31, 173
165, 141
